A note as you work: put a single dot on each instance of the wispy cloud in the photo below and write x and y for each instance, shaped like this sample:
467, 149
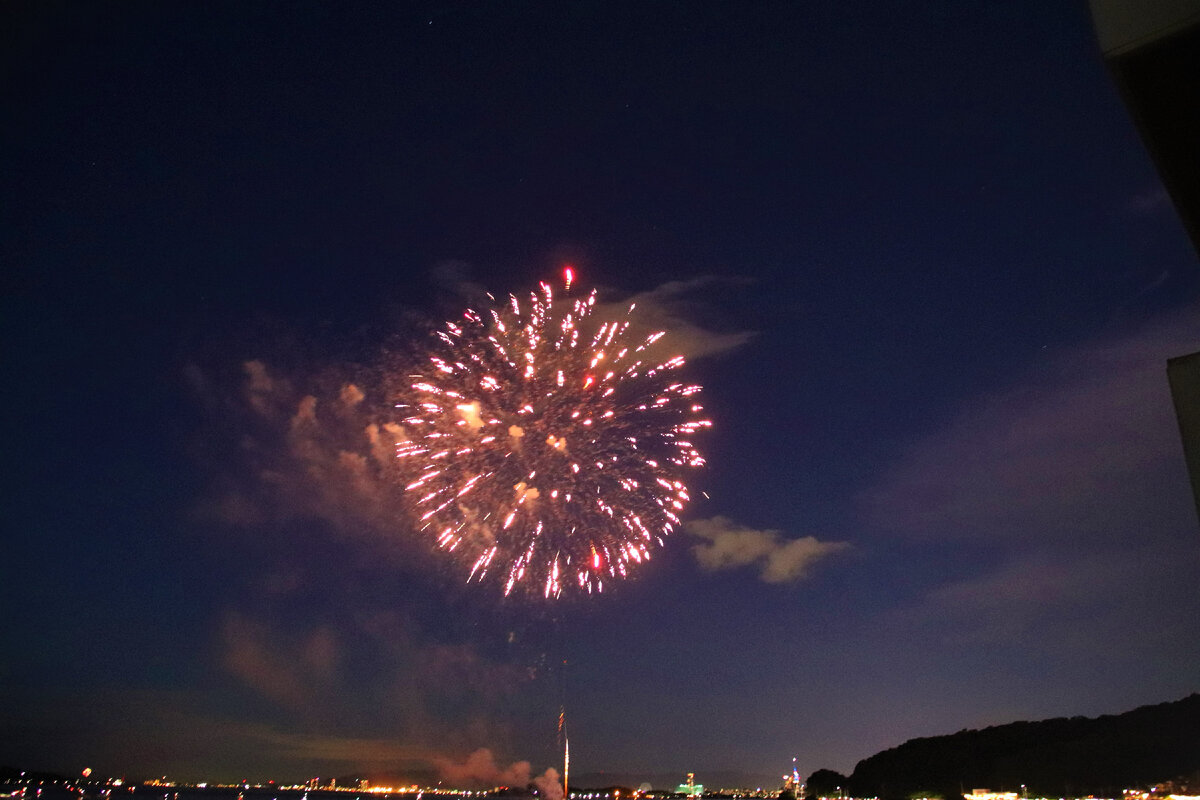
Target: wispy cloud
1073, 480
189, 735
352, 752
682, 309
292, 454
728, 545
1086, 447
291, 673
1151, 201
305, 668
677, 308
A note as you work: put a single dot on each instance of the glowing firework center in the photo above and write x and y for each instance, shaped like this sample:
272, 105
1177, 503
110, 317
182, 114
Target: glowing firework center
545, 451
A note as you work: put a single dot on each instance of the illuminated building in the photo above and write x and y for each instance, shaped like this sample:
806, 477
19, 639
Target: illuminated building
691, 788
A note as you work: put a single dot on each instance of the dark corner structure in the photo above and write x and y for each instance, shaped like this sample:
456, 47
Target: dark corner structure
1152, 48
1184, 374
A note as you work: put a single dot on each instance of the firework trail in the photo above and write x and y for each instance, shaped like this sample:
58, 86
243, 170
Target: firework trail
544, 450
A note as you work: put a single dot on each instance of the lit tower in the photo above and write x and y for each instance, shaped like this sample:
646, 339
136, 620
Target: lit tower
793, 781
566, 746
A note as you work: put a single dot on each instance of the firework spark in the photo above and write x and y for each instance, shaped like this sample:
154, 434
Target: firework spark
544, 450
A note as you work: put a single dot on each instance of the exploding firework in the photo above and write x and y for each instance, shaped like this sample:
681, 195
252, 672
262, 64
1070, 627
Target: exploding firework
543, 449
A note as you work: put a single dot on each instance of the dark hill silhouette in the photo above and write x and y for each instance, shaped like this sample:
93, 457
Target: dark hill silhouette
1052, 758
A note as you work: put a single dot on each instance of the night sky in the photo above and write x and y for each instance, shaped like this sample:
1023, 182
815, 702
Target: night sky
916, 254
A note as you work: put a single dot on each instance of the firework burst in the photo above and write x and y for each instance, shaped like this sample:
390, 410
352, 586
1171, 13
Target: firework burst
543, 449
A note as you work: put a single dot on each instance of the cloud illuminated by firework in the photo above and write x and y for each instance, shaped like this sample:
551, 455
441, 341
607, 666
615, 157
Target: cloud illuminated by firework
544, 450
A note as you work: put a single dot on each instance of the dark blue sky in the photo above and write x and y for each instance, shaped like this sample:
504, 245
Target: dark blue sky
924, 267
